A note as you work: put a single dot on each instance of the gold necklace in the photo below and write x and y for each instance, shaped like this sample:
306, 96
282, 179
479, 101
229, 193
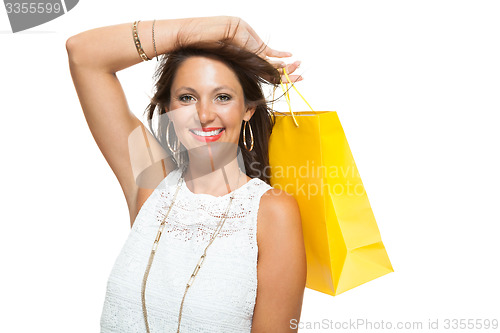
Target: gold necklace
200, 261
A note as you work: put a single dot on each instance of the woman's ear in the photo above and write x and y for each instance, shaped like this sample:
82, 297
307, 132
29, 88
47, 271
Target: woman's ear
249, 113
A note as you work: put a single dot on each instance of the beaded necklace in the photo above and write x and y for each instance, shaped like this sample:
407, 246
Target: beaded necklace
200, 261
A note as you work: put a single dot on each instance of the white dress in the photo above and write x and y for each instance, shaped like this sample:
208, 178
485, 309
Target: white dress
222, 296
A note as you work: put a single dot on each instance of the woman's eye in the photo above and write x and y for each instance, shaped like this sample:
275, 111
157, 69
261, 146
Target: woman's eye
224, 98
186, 98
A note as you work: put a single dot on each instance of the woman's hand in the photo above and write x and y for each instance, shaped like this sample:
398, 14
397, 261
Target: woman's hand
241, 34
290, 68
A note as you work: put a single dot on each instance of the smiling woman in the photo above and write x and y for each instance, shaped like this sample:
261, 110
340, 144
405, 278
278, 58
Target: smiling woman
212, 248
234, 76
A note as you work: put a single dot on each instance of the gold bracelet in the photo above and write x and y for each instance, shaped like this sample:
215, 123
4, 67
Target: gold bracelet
154, 44
137, 42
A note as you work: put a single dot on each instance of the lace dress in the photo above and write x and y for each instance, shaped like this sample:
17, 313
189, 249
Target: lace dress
222, 297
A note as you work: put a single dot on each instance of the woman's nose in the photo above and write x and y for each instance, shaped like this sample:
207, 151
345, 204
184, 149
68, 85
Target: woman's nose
206, 112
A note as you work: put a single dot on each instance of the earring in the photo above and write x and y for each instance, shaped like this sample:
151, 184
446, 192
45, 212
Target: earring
244, 136
168, 141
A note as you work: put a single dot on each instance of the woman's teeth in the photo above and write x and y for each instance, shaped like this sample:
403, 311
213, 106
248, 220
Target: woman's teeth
211, 133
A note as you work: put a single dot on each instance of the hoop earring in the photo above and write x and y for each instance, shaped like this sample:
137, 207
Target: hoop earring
244, 136
168, 141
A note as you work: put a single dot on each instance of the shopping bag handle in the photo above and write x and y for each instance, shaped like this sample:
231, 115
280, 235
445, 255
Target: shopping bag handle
287, 96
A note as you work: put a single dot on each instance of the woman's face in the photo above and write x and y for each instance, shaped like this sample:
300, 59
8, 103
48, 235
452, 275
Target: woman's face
207, 103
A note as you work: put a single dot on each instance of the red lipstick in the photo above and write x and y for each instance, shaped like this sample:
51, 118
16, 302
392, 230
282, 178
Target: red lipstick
210, 138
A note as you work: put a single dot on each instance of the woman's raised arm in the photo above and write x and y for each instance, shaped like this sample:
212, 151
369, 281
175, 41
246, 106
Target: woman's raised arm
94, 58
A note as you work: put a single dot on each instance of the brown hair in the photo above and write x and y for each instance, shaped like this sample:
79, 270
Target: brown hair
252, 72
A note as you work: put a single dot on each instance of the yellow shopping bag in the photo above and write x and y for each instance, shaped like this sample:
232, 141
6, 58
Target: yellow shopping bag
310, 158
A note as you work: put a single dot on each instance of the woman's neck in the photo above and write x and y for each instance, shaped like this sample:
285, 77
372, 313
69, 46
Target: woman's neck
201, 178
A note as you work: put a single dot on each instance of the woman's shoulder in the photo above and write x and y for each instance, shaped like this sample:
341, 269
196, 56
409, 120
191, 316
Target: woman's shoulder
149, 184
278, 214
278, 205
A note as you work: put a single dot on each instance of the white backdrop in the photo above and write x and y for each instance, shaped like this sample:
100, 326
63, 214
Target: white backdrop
416, 86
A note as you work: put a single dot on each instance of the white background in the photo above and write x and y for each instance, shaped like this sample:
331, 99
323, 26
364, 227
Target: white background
416, 85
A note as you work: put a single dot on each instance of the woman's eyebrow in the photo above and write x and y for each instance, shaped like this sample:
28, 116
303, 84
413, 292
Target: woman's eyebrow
224, 87
215, 90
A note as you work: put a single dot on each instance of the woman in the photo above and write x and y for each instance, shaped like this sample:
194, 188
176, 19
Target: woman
211, 249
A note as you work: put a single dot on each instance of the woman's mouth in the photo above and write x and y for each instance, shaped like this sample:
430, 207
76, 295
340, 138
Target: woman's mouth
207, 134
